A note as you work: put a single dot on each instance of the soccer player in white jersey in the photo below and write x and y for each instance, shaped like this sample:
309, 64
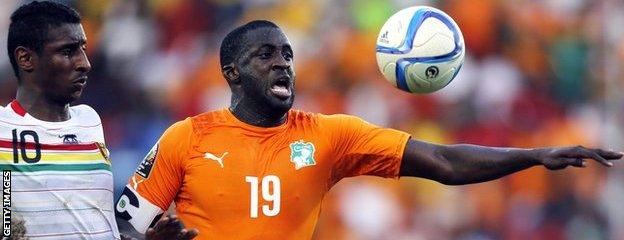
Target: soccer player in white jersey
62, 185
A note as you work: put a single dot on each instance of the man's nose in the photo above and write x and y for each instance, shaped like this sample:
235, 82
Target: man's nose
83, 64
281, 63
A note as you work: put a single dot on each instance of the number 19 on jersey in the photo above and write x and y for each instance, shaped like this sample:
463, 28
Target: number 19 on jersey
270, 193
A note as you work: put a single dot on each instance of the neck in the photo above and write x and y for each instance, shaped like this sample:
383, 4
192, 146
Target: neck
256, 117
42, 108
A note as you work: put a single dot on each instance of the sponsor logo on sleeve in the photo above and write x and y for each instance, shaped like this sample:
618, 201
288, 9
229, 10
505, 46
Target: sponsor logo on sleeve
146, 165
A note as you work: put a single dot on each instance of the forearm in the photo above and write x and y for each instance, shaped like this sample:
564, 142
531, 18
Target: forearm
474, 164
463, 163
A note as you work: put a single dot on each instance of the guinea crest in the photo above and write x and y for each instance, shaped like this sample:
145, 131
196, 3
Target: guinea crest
104, 151
302, 154
146, 165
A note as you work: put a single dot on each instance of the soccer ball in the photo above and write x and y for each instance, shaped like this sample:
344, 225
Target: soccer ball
420, 49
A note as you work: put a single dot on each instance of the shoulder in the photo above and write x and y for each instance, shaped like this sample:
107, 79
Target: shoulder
3, 111
339, 119
323, 120
203, 122
177, 139
85, 114
7, 113
179, 131
325, 123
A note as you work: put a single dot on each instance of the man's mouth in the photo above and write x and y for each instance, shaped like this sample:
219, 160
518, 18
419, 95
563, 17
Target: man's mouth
281, 88
80, 82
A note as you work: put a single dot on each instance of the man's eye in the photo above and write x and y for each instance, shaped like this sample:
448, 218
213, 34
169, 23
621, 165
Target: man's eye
265, 55
288, 56
66, 52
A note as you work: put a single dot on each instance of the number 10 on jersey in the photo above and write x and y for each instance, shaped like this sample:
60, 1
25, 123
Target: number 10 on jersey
270, 182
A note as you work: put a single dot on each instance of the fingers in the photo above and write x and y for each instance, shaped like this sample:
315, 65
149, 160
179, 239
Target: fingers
126, 237
576, 162
587, 153
188, 234
150, 234
161, 223
611, 155
167, 222
582, 152
563, 162
170, 227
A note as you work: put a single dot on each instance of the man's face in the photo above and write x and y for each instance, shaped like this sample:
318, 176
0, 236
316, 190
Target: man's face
266, 68
63, 65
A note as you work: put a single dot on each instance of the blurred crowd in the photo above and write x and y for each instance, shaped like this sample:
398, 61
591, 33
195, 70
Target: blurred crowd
537, 73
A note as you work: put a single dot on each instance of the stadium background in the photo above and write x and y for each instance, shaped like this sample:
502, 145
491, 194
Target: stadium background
537, 73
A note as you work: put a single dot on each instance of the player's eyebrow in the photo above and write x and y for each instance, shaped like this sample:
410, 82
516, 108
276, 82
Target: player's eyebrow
72, 44
267, 46
287, 48
271, 47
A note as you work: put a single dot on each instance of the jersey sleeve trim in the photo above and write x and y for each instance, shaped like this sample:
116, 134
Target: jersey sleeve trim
399, 153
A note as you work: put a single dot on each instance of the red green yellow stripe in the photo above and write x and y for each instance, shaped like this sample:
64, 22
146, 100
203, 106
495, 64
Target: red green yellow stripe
58, 157
57, 147
55, 167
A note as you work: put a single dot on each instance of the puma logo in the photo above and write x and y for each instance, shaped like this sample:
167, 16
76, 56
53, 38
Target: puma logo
213, 157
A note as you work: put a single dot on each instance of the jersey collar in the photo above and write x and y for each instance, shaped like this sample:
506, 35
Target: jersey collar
17, 108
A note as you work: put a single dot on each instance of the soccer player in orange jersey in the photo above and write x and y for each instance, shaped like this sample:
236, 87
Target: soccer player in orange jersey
259, 170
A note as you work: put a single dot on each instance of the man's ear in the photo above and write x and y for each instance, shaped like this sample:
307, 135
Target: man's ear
25, 58
230, 72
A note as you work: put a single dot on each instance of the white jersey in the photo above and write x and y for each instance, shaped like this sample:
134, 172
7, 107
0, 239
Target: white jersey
61, 180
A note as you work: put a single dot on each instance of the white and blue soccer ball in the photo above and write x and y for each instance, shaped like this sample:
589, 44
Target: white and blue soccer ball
420, 49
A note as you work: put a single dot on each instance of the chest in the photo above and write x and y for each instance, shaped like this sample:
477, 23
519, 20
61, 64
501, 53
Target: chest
242, 174
34, 148
32, 133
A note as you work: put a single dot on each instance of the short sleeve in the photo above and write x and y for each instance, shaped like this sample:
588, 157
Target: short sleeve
160, 174
362, 148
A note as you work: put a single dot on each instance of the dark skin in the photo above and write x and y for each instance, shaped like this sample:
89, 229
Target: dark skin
265, 63
252, 74
51, 80
464, 163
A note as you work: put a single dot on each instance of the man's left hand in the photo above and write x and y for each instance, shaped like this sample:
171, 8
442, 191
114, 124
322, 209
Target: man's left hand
170, 227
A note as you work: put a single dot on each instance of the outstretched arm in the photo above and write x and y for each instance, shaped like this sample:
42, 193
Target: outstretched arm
464, 163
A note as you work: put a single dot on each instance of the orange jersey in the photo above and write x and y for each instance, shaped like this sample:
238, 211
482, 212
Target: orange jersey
233, 180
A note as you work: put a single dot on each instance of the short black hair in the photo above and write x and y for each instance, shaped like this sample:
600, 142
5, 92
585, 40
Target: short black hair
30, 24
233, 42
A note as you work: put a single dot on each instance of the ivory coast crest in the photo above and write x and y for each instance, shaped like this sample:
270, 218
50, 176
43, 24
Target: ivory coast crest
302, 154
